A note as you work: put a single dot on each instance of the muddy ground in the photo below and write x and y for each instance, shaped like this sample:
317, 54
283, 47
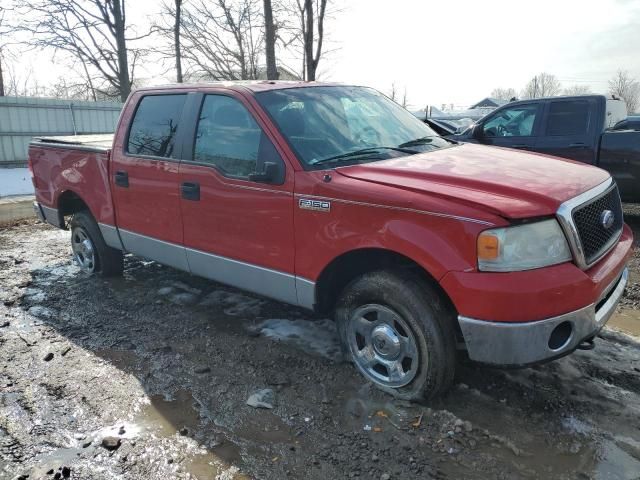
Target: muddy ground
147, 376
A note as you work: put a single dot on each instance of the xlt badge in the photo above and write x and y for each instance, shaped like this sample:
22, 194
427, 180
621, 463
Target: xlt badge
318, 205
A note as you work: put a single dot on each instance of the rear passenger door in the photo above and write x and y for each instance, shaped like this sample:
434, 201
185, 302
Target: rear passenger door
238, 227
569, 129
145, 181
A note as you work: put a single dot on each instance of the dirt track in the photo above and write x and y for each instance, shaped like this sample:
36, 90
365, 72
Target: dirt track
164, 362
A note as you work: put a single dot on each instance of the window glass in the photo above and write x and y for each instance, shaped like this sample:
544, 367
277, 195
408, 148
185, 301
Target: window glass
516, 121
155, 124
328, 121
569, 117
229, 138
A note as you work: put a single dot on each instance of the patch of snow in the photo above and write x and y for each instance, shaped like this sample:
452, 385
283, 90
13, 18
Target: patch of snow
575, 425
234, 304
315, 336
165, 291
39, 311
184, 298
15, 181
34, 295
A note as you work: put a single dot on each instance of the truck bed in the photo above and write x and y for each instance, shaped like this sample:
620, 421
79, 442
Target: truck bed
101, 143
70, 169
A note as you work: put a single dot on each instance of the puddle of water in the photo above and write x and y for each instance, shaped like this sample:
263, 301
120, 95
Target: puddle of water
170, 416
315, 336
579, 448
56, 459
627, 321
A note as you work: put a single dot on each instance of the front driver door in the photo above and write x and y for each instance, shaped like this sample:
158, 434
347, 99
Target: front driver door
238, 228
512, 127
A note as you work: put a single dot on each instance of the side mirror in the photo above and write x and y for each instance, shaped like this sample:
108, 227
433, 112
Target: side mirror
270, 174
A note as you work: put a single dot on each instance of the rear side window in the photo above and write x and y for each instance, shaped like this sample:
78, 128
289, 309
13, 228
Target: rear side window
569, 117
228, 138
154, 126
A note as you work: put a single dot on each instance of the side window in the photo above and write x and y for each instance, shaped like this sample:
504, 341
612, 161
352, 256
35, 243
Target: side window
517, 121
570, 117
228, 138
155, 124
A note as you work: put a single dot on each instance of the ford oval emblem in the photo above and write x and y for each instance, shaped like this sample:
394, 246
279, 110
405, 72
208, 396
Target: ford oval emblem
607, 218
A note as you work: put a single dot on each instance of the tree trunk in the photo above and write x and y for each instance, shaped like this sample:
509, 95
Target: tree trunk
121, 46
1, 79
308, 41
176, 40
270, 41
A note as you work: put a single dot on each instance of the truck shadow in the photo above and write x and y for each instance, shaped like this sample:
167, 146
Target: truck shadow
196, 350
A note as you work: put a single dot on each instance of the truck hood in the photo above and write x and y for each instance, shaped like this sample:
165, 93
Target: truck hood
510, 183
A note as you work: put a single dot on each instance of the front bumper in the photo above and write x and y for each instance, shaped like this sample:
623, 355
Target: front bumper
524, 343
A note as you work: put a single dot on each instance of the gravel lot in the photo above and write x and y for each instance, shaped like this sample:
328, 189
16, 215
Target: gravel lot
148, 376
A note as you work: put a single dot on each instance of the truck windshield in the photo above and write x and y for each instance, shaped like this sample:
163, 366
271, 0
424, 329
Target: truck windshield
345, 125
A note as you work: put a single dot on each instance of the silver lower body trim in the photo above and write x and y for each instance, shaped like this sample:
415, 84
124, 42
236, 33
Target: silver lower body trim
164, 252
518, 344
281, 286
48, 214
111, 236
263, 281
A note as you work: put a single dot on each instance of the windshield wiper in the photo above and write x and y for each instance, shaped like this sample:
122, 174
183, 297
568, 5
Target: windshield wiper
361, 152
417, 141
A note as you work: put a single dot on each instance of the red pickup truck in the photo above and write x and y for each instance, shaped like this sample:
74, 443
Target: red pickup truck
336, 199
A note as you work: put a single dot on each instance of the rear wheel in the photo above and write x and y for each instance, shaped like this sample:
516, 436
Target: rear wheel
399, 333
90, 251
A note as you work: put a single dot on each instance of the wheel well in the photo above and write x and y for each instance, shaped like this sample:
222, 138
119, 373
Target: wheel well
69, 203
347, 267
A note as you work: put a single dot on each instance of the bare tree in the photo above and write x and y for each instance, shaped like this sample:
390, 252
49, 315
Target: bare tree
624, 86
393, 93
542, 85
270, 41
176, 39
576, 90
4, 51
223, 40
404, 102
94, 32
169, 26
503, 93
307, 34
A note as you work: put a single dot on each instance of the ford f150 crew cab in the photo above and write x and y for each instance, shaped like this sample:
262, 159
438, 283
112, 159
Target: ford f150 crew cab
588, 128
336, 199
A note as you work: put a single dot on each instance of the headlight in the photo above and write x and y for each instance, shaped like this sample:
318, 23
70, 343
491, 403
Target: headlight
522, 247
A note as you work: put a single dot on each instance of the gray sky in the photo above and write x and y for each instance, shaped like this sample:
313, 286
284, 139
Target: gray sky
457, 52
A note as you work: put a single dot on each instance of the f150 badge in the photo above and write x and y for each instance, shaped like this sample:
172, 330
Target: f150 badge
318, 205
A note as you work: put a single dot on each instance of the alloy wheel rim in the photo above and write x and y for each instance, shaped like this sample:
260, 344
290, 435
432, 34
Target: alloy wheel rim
383, 346
83, 250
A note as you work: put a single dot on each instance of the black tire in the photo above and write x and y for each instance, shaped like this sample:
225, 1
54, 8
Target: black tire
107, 261
418, 307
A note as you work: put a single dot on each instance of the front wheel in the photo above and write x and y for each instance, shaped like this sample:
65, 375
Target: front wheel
399, 333
90, 251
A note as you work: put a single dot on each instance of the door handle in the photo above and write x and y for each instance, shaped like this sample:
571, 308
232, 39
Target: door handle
520, 145
122, 179
577, 145
190, 191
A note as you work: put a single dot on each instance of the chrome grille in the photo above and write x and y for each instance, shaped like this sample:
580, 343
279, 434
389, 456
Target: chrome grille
595, 238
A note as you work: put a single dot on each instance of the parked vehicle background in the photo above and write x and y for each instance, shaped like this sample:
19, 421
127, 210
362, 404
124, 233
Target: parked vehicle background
583, 128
